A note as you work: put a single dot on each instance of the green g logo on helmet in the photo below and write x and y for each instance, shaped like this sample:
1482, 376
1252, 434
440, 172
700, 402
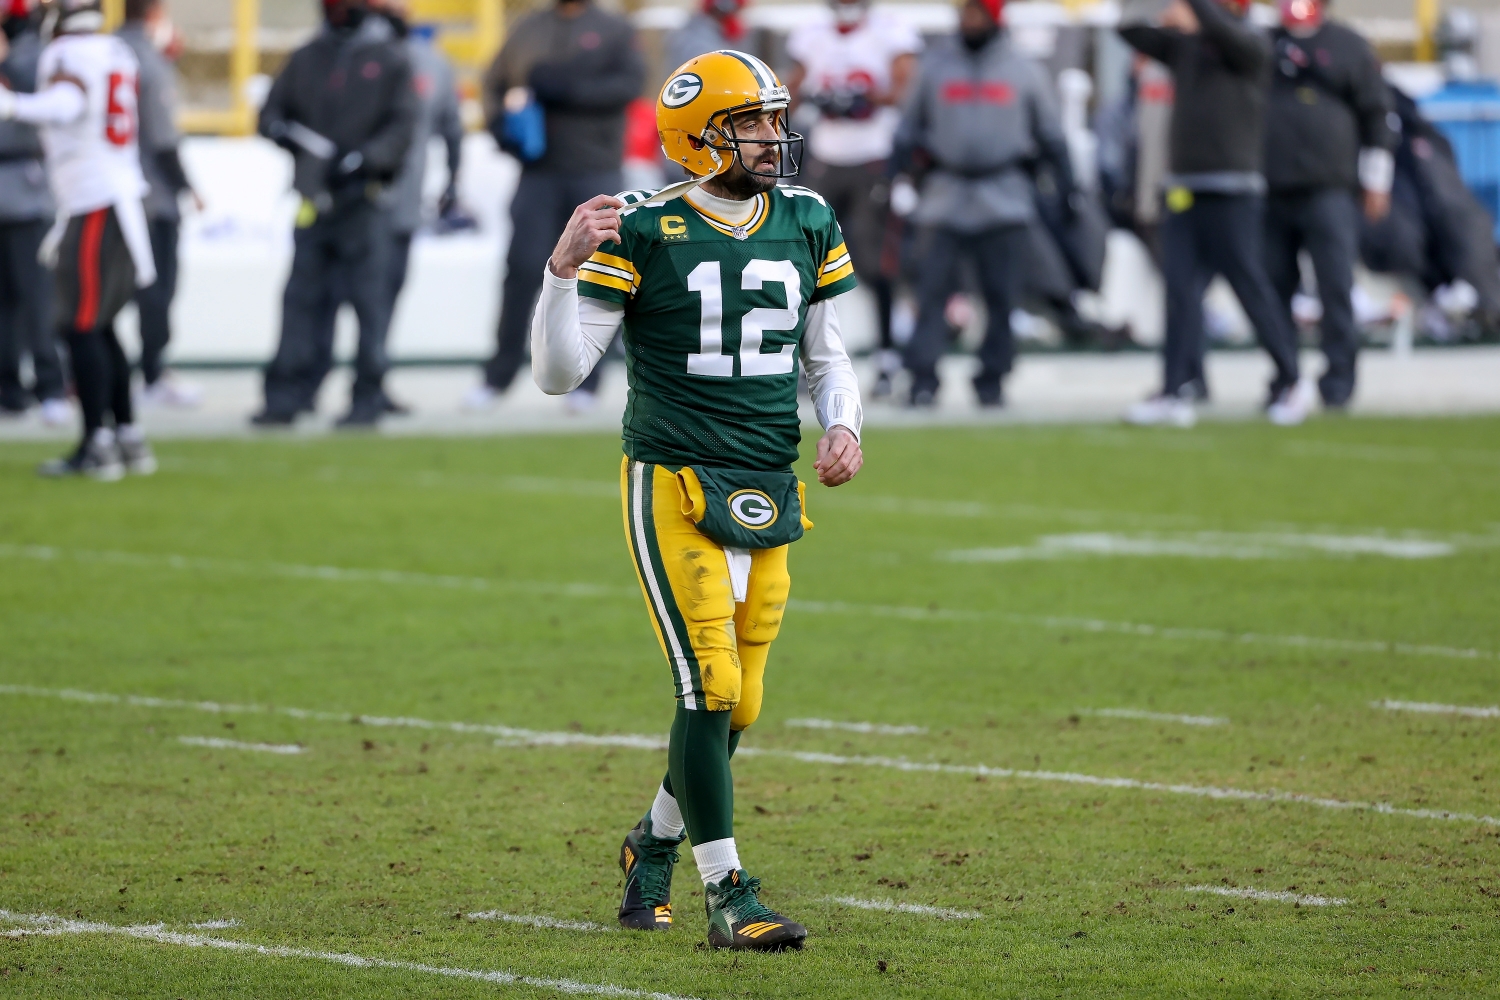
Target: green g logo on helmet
681, 89
752, 509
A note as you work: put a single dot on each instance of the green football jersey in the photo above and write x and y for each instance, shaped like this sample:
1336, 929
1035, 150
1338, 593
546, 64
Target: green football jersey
714, 315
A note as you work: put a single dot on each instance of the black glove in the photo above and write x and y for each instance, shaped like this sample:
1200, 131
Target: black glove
448, 202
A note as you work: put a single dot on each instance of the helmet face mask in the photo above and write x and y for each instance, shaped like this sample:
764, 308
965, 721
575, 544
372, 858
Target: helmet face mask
723, 135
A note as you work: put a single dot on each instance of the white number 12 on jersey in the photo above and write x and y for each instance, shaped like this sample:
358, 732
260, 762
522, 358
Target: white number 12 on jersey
711, 359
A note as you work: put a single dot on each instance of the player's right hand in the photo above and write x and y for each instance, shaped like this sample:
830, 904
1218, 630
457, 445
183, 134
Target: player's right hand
595, 222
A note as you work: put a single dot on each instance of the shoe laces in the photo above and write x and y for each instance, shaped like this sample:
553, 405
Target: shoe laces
657, 856
743, 900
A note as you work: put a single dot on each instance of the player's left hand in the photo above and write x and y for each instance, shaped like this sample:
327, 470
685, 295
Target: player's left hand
839, 457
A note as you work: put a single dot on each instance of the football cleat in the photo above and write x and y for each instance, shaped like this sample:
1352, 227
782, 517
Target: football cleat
647, 862
737, 919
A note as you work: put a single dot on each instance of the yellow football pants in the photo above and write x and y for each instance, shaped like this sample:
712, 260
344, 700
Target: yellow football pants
717, 649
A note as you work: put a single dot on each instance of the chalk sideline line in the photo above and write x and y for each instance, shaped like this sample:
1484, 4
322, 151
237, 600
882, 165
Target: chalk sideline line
1137, 713
525, 737
548, 923
1473, 711
879, 728
891, 906
1267, 896
46, 925
218, 743
337, 574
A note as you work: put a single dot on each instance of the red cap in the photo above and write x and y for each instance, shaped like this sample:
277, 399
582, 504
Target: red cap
993, 7
17, 8
1303, 14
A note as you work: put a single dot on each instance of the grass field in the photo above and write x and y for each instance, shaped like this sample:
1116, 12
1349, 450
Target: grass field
1001, 589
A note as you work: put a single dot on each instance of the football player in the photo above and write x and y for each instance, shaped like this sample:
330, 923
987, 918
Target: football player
85, 107
723, 282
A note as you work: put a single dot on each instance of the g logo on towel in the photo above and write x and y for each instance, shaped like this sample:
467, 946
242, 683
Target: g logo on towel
752, 509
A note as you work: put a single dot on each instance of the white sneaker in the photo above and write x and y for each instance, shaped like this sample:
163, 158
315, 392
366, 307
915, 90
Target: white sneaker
169, 392
480, 399
135, 452
1163, 411
57, 412
580, 401
1294, 404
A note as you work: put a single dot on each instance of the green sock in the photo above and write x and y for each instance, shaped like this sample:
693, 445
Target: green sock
698, 769
734, 744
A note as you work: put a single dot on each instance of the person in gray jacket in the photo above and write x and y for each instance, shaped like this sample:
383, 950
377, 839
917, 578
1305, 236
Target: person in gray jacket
156, 104
978, 116
583, 66
437, 115
26, 213
717, 25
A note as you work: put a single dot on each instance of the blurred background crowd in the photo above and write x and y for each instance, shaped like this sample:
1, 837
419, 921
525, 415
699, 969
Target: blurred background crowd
381, 181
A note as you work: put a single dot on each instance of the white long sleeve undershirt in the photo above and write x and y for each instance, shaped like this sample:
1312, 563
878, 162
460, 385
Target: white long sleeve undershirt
60, 104
570, 333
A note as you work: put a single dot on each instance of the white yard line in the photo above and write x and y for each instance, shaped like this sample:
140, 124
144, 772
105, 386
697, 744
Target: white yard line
216, 743
43, 925
1073, 778
1208, 545
1099, 625
527, 737
1136, 713
549, 923
891, 906
215, 925
879, 728
1263, 894
1474, 711
905, 613
520, 737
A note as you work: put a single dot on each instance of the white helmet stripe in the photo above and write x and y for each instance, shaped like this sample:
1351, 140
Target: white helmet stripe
758, 69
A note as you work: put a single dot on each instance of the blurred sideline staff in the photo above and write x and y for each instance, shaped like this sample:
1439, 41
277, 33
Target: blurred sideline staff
26, 213
1327, 137
717, 25
345, 108
162, 167
437, 115
572, 68
1215, 200
854, 71
101, 250
401, 203
979, 115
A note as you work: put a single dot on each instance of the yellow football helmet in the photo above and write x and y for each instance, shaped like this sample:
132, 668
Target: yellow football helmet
696, 107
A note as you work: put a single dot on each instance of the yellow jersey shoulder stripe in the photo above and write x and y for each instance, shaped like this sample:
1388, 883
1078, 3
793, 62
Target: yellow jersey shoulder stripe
610, 260
605, 279
834, 255
829, 277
